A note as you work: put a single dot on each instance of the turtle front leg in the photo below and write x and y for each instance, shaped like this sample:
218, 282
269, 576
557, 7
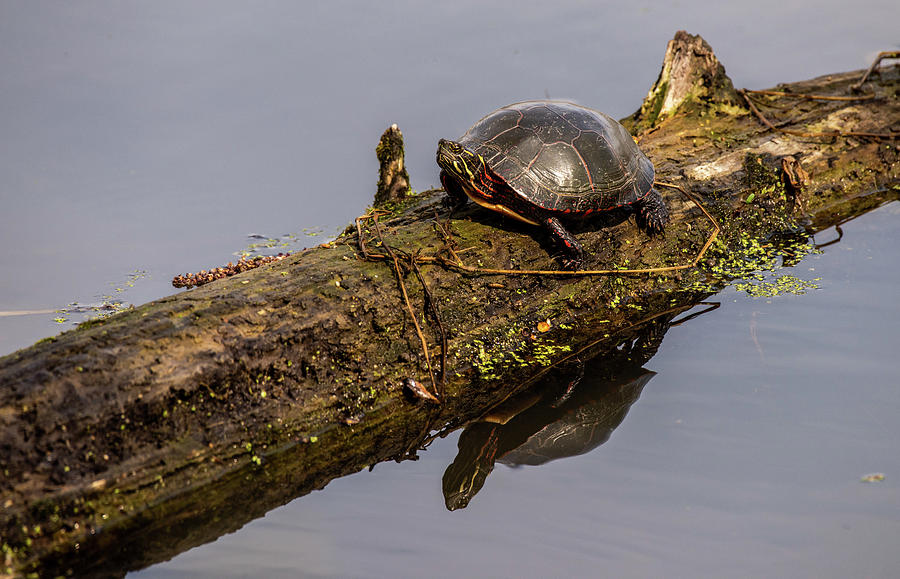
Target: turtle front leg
456, 197
566, 241
652, 214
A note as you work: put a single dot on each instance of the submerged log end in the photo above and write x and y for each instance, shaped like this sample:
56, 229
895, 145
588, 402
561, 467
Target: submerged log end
393, 180
691, 75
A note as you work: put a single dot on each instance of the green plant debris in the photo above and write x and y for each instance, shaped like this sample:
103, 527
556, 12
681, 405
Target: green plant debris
490, 363
544, 354
395, 207
783, 284
756, 266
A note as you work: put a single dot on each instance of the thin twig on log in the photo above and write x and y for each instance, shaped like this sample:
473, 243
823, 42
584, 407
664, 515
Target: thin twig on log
432, 306
409, 307
881, 56
768, 123
811, 97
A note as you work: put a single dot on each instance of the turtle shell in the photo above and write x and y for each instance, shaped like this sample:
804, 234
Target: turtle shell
562, 157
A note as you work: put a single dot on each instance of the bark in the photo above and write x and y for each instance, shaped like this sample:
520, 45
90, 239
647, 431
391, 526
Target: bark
690, 75
162, 427
393, 179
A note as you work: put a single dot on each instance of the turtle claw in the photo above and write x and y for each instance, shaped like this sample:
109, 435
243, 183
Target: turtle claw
652, 214
567, 242
650, 223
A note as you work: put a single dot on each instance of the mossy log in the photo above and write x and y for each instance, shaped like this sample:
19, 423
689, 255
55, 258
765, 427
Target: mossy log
130, 439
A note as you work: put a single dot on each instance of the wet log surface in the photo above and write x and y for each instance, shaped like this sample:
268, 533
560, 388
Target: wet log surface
128, 440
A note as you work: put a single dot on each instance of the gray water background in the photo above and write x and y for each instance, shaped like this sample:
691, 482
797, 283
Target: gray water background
155, 136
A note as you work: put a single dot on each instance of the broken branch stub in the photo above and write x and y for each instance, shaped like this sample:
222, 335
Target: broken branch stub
691, 75
393, 180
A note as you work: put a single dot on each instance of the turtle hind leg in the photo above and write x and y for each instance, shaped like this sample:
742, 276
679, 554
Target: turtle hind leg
652, 213
456, 197
566, 241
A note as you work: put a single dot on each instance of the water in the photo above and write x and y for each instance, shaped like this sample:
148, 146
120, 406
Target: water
154, 137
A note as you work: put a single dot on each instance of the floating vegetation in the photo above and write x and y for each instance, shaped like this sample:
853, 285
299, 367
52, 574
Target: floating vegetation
260, 244
264, 244
783, 284
756, 266
130, 282
97, 311
108, 305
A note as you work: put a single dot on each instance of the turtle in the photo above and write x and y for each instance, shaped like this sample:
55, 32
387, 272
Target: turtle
549, 162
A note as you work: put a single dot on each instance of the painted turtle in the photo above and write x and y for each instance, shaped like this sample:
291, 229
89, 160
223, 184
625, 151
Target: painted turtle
544, 162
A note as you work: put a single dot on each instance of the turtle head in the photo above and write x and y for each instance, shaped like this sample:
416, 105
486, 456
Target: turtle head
461, 163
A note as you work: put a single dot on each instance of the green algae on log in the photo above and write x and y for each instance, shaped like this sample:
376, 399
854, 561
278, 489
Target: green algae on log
293, 373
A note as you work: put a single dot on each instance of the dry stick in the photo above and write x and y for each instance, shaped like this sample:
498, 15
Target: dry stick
409, 307
447, 237
429, 301
812, 97
372, 214
375, 214
759, 101
878, 59
767, 123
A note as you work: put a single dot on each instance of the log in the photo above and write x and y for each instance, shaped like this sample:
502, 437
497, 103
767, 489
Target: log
132, 438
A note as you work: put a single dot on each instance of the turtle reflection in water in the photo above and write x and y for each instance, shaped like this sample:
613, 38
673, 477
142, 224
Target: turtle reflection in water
560, 415
539, 426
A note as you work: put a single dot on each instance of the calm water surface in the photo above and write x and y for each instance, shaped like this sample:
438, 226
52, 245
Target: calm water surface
154, 137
